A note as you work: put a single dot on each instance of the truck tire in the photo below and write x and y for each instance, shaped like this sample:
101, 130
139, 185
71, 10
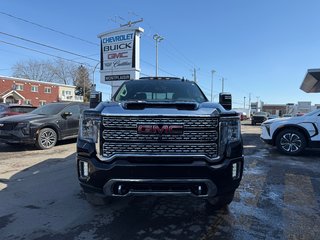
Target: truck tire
97, 200
47, 138
291, 142
216, 203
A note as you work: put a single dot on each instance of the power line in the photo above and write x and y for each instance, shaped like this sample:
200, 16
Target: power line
45, 45
159, 68
49, 28
51, 55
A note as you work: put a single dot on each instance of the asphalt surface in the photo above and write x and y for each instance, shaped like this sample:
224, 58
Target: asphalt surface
40, 198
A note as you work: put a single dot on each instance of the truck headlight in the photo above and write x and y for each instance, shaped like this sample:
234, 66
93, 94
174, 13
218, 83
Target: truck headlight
230, 128
89, 126
230, 132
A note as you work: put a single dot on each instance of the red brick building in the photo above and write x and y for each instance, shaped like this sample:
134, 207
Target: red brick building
36, 93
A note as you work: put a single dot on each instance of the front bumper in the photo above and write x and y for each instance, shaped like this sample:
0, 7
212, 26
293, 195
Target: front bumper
125, 178
15, 136
265, 134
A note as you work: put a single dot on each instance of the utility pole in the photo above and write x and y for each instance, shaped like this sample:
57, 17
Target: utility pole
249, 104
222, 83
212, 72
158, 39
258, 104
244, 103
195, 75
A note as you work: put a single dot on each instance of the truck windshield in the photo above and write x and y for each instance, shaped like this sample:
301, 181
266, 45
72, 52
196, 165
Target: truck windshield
160, 91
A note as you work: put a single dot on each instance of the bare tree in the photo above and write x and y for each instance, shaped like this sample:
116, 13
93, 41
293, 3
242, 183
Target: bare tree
33, 69
63, 71
57, 70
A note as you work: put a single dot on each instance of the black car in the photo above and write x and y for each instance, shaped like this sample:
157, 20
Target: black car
259, 117
14, 109
43, 126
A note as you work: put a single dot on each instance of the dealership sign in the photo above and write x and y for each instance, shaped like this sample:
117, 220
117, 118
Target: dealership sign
118, 51
120, 55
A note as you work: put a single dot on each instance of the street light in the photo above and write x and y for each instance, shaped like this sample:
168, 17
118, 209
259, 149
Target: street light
212, 72
94, 71
222, 84
157, 38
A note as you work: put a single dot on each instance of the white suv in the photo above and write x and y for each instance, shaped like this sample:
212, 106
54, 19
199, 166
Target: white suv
292, 135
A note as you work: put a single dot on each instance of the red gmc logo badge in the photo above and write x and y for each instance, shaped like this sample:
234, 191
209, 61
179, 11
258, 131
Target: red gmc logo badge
160, 129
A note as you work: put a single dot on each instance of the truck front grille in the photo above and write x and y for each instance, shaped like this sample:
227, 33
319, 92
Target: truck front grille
120, 137
110, 149
188, 122
132, 136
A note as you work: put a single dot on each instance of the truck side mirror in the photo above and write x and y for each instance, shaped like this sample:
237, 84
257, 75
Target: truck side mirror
95, 98
225, 99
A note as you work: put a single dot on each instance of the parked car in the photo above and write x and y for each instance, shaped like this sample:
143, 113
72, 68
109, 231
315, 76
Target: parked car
242, 115
43, 126
14, 109
292, 135
259, 117
287, 115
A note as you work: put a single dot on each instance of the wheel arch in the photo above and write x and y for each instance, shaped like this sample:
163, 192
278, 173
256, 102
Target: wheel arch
55, 128
291, 126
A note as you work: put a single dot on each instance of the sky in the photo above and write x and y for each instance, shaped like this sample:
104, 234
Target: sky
261, 48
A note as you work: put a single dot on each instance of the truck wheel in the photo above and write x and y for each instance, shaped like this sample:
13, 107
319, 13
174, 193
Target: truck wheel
47, 138
217, 203
291, 142
97, 200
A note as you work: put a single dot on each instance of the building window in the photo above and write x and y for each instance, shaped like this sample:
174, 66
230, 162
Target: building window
42, 102
68, 93
19, 87
34, 88
27, 101
47, 89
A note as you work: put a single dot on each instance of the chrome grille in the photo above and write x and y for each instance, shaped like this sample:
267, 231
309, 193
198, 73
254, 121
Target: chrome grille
132, 135
210, 150
188, 122
119, 137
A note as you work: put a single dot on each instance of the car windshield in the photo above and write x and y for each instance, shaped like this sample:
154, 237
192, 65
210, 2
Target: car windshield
260, 114
159, 91
50, 109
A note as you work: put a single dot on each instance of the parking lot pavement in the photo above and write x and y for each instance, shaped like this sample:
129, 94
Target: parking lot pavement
40, 198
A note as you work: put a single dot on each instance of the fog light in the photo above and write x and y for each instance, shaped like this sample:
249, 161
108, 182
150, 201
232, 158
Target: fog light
235, 171
84, 169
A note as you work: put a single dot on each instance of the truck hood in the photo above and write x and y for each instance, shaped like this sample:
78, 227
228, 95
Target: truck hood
139, 108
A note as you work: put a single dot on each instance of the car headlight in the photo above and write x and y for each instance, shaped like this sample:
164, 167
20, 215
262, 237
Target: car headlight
89, 126
266, 125
24, 127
